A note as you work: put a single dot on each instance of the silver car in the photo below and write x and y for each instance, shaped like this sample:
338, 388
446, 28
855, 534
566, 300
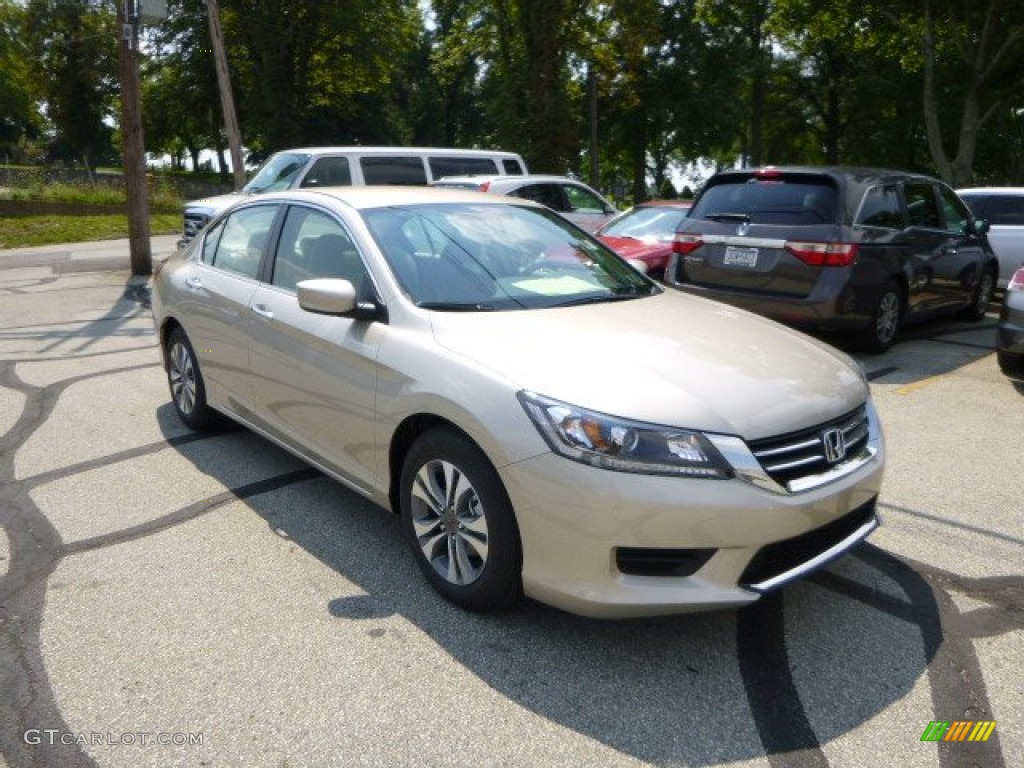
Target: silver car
545, 419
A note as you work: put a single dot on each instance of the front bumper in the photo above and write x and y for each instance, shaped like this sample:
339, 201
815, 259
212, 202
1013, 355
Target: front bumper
1010, 333
741, 539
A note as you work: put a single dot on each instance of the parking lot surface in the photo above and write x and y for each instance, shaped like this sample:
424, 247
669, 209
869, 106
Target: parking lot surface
168, 598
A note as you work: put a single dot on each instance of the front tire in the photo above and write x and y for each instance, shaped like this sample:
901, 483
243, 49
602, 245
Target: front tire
188, 391
460, 523
982, 297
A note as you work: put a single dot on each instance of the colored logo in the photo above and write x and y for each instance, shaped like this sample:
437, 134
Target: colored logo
958, 730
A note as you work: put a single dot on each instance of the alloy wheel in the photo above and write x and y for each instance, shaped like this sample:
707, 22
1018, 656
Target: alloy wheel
182, 374
449, 522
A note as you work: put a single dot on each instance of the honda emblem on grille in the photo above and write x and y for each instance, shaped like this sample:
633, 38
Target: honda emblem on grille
743, 228
834, 443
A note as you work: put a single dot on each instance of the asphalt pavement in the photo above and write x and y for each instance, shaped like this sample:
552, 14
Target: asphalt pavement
170, 599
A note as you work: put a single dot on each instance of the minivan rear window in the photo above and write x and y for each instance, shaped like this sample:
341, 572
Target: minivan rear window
407, 171
774, 200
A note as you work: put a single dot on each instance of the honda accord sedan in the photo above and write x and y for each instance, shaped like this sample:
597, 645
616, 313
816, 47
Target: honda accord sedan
545, 419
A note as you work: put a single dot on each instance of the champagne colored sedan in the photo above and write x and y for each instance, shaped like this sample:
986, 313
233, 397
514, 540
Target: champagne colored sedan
545, 419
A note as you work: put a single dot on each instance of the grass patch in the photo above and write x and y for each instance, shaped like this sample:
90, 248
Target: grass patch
23, 231
162, 197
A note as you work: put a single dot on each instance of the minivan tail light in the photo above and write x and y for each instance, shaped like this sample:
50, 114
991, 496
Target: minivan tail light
684, 244
485, 186
1017, 281
824, 254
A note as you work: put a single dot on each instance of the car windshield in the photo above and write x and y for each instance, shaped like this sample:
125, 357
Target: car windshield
278, 172
646, 223
480, 257
772, 200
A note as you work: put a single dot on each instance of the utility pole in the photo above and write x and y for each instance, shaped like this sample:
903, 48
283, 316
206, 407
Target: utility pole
131, 136
227, 101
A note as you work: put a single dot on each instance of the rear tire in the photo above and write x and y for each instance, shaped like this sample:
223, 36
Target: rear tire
459, 522
188, 391
886, 320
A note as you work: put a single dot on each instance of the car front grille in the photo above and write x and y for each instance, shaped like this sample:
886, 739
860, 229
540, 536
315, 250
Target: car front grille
193, 223
797, 455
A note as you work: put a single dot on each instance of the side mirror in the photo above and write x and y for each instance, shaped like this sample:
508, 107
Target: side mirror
334, 296
978, 227
326, 296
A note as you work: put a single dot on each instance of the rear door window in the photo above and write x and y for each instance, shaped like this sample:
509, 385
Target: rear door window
544, 193
243, 240
407, 171
775, 200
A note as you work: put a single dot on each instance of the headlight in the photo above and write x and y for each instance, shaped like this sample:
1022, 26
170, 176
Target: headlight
608, 442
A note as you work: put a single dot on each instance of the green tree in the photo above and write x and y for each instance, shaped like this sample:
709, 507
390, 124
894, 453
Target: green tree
18, 116
74, 52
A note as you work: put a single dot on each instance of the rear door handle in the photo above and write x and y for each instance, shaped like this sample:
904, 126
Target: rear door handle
263, 311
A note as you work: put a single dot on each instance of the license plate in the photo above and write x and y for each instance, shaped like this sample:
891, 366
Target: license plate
740, 257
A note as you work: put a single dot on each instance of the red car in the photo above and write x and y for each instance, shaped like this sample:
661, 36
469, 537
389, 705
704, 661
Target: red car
645, 233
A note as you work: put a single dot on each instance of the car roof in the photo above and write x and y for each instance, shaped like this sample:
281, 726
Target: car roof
507, 177
365, 197
853, 173
331, 150
1014, 191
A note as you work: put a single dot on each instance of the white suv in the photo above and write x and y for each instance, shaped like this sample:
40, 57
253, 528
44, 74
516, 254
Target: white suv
352, 166
574, 200
1003, 209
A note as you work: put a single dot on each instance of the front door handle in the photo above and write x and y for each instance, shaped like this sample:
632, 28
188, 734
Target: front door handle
194, 282
263, 311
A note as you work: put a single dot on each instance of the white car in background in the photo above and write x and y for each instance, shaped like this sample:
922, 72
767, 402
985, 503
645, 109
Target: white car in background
1003, 209
572, 199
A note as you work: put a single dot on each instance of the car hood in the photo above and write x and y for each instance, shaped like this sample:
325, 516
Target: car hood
214, 205
670, 359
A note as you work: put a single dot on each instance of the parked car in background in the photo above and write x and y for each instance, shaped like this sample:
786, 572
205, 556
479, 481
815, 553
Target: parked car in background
574, 200
646, 233
1010, 330
1003, 209
344, 166
543, 417
853, 249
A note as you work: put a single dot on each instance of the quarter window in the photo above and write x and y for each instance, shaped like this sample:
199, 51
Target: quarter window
242, 240
881, 208
314, 245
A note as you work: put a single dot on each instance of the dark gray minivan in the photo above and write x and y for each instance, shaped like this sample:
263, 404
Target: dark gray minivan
834, 248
